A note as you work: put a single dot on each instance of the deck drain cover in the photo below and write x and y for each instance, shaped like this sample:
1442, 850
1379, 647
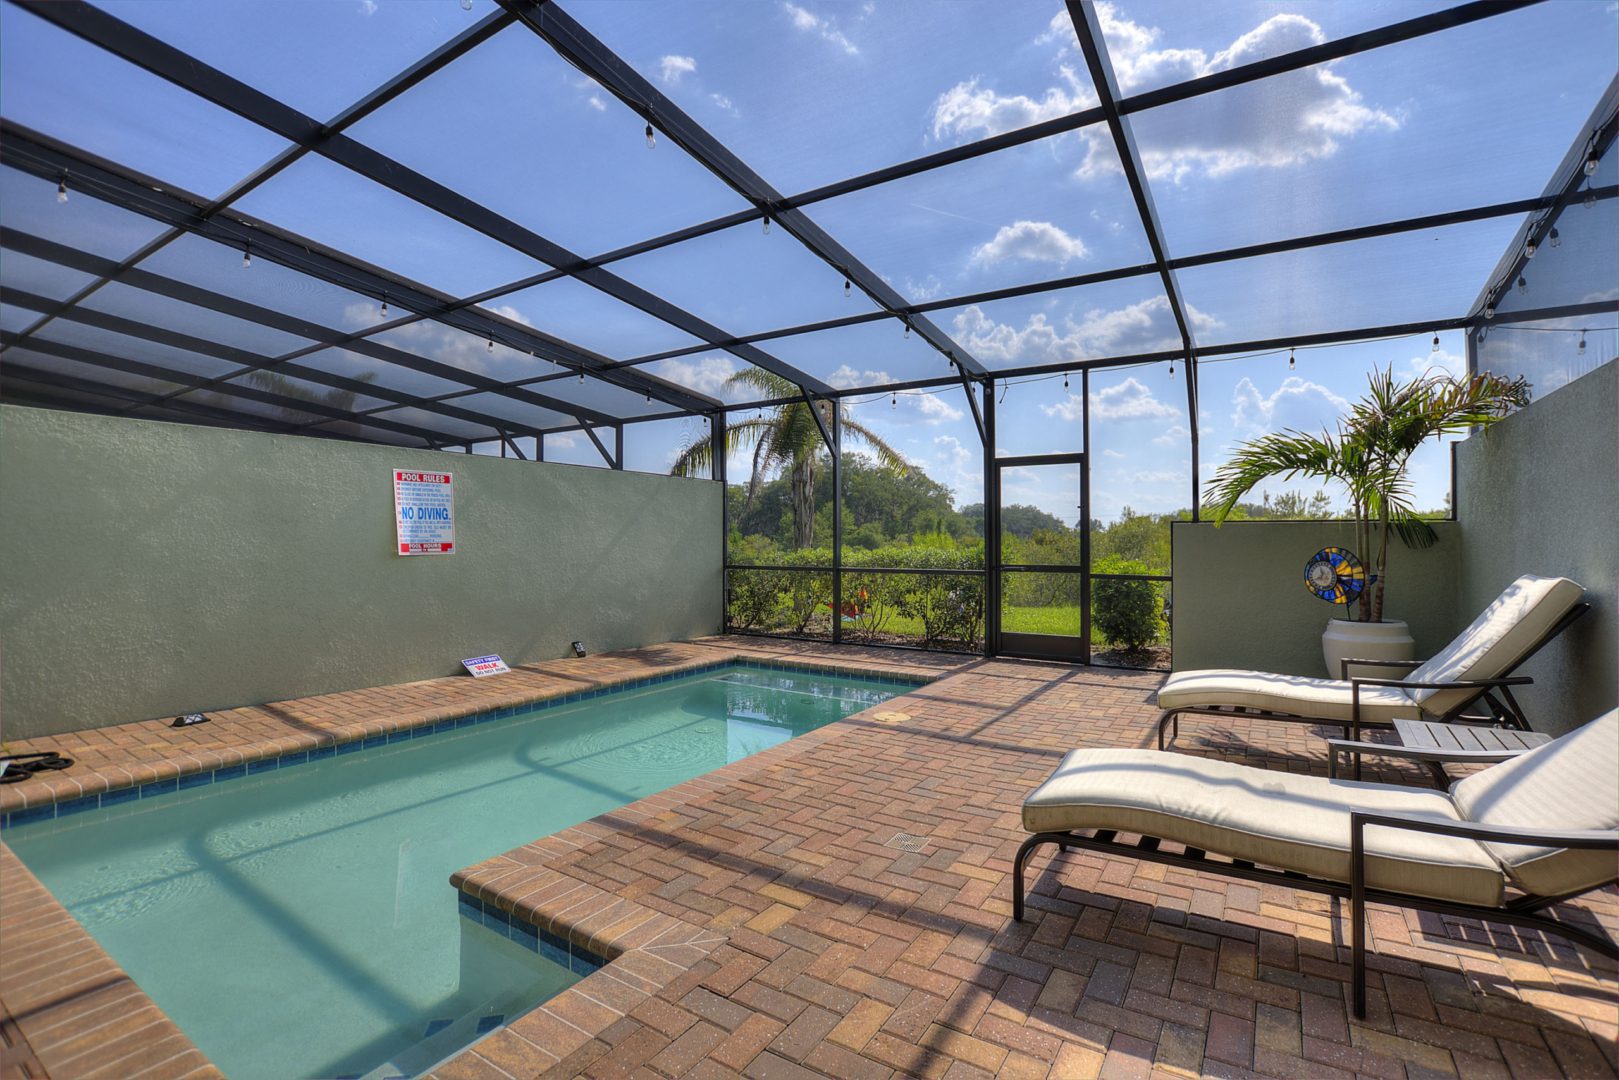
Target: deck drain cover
906, 842
890, 717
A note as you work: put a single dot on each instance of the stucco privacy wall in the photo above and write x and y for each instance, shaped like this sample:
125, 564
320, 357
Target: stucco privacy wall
1538, 494
148, 569
1240, 599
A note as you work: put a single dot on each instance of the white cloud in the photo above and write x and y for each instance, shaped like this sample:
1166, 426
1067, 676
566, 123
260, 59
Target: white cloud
672, 68
1159, 476
1443, 362
595, 101
935, 409
1177, 433
724, 104
1297, 404
957, 467
808, 21
1032, 241
1128, 400
929, 288
368, 7
562, 441
1278, 122
847, 377
1145, 326
931, 408
1113, 454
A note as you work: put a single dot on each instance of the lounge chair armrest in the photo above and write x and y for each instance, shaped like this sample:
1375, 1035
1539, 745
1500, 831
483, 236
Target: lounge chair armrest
1447, 684
1412, 753
1596, 839
1409, 665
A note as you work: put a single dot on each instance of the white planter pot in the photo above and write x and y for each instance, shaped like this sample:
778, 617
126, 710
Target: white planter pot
1386, 640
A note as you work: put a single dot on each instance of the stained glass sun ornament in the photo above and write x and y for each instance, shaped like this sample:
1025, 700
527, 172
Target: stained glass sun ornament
1335, 575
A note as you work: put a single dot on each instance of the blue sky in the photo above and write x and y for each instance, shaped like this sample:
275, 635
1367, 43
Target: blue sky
809, 92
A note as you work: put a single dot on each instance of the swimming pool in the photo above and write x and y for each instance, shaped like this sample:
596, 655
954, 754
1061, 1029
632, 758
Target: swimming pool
300, 921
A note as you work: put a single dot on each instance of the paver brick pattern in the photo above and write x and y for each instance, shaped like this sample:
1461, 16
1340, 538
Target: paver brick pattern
798, 940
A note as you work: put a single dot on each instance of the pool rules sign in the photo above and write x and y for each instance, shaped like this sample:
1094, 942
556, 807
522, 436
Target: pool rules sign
424, 512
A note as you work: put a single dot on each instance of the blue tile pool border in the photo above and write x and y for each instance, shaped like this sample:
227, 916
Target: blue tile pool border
257, 767
576, 958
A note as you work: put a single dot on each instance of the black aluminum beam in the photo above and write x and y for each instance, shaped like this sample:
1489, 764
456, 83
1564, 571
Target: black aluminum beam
421, 69
62, 255
163, 60
1088, 27
48, 158
250, 362
585, 52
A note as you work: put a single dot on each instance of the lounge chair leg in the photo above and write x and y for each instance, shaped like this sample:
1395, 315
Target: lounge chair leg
1357, 915
1021, 860
1163, 722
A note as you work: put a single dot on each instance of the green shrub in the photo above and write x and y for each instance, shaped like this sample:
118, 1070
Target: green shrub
1127, 614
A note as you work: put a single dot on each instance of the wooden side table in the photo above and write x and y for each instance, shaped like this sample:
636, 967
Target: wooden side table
1436, 743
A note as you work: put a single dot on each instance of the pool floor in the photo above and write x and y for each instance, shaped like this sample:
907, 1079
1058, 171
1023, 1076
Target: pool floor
300, 923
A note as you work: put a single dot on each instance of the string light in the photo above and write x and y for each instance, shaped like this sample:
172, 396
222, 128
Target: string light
1591, 164
384, 312
1435, 342
1582, 342
247, 256
1555, 239
767, 224
466, 5
1292, 361
1172, 369
893, 399
491, 343
907, 330
581, 374
847, 288
1489, 309
1065, 382
1529, 249
1523, 284
651, 137
61, 189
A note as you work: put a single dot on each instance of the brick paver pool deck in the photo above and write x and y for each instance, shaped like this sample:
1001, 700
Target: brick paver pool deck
762, 920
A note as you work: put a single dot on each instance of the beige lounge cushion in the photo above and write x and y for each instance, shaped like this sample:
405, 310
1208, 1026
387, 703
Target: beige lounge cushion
1498, 640
1278, 819
1570, 783
1294, 694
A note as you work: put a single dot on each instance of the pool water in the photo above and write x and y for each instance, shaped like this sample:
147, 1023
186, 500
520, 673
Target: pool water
301, 923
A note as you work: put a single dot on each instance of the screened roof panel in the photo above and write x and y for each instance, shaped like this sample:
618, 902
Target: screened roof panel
1047, 209
600, 396
500, 407
30, 205
67, 332
276, 382
1581, 264
716, 374
337, 207
37, 276
1403, 131
55, 83
1156, 43
545, 147
460, 430
1112, 318
90, 372
398, 377
162, 312
279, 414
1385, 280
587, 317
462, 351
807, 93
16, 319
744, 281
218, 268
355, 47
866, 354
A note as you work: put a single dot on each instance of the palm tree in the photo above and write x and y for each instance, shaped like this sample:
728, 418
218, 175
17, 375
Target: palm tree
787, 437
1369, 455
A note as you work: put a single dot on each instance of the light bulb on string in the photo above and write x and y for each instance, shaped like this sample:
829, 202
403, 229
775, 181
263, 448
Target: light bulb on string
1523, 284
847, 288
1529, 249
247, 256
907, 335
1292, 361
651, 137
491, 343
893, 399
1172, 369
1489, 309
581, 374
1582, 343
767, 224
1065, 382
61, 189
1554, 238
1591, 165
383, 312
1435, 342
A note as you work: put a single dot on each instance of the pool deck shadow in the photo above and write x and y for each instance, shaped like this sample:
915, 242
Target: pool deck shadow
761, 919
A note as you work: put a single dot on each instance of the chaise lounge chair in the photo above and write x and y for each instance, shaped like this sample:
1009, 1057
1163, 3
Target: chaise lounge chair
1502, 844
1474, 668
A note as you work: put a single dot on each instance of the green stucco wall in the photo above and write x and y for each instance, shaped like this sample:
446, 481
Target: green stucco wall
1240, 599
148, 569
1539, 494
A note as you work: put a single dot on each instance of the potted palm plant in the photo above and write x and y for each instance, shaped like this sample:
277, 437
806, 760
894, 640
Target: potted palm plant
1369, 456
